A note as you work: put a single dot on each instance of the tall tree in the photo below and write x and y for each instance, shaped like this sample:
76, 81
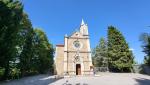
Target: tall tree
25, 45
44, 51
120, 57
100, 54
10, 17
23, 50
145, 38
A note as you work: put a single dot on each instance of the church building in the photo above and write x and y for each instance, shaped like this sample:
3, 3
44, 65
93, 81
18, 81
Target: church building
74, 57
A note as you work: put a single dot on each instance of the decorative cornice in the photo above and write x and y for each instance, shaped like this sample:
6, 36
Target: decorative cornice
74, 62
77, 38
79, 51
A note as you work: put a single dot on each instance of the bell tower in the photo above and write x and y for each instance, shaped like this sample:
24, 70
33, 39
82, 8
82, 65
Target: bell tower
83, 28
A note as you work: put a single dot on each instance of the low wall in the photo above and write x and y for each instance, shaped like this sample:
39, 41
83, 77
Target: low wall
98, 70
141, 69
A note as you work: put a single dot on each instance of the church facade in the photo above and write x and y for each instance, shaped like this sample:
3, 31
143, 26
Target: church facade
74, 57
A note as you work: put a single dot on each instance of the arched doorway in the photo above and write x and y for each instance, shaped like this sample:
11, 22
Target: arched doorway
78, 69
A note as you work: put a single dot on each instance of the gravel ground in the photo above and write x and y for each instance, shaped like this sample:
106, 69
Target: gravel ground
102, 79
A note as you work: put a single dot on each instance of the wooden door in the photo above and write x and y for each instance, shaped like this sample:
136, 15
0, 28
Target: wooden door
78, 69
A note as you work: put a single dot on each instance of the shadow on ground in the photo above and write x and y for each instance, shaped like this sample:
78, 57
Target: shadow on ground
34, 80
74, 84
143, 81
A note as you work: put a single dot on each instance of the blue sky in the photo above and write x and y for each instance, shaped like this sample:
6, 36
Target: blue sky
60, 17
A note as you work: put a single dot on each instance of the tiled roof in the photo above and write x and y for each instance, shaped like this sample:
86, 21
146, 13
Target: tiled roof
60, 45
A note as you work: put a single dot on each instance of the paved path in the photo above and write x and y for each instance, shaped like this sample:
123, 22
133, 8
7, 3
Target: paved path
103, 79
33, 80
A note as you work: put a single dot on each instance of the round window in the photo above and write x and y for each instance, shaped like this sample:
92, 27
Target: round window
76, 44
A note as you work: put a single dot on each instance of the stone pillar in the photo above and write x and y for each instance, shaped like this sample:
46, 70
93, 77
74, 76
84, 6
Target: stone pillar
89, 52
74, 68
82, 65
65, 55
90, 57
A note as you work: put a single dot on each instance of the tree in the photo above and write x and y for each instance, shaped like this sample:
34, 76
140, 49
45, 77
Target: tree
145, 38
10, 17
100, 54
25, 45
120, 57
44, 52
23, 50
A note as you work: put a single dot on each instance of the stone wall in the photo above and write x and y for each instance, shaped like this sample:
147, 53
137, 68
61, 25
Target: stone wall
59, 62
141, 69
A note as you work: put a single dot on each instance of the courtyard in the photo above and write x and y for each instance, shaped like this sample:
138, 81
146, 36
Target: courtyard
101, 79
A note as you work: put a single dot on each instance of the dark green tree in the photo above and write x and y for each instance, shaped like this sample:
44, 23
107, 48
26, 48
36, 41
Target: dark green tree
44, 52
100, 54
120, 57
25, 45
23, 50
145, 38
10, 17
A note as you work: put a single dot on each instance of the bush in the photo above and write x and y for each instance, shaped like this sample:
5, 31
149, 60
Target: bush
15, 73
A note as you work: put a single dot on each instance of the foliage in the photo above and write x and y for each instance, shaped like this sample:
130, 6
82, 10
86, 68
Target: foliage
100, 54
25, 45
23, 50
10, 17
145, 38
120, 57
44, 51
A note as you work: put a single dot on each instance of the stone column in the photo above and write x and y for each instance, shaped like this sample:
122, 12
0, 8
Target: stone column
65, 55
89, 51
89, 56
82, 65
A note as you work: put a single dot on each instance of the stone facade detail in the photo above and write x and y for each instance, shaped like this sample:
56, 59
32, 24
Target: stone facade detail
74, 57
